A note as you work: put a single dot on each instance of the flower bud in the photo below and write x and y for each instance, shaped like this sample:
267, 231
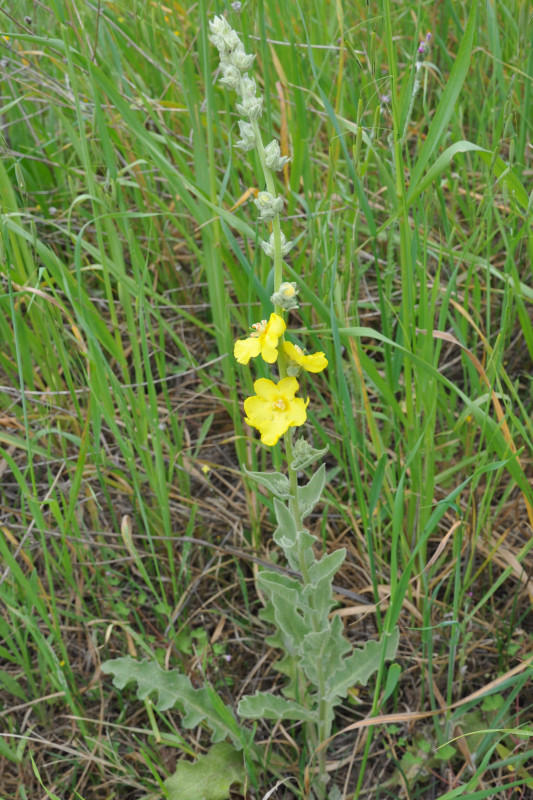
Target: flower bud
247, 140
268, 247
274, 160
286, 298
268, 205
222, 34
240, 59
248, 87
251, 107
303, 454
230, 77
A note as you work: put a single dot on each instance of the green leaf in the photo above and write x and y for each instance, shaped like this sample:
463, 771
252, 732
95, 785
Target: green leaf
290, 539
393, 676
309, 495
172, 687
210, 777
447, 102
328, 566
275, 482
286, 605
324, 649
502, 171
304, 455
282, 585
446, 752
263, 705
357, 668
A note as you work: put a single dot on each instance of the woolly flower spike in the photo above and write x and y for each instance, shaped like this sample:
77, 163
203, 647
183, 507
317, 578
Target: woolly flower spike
315, 362
274, 408
264, 341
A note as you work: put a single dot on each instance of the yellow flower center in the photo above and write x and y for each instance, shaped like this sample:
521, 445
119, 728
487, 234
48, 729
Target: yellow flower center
289, 291
259, 328
279, 404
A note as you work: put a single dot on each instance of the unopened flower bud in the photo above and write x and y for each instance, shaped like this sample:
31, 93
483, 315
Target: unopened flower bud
286, 298
230, 77
268, 205
423, 49
247, 87
240, 59
222, 34
268, 247
303, 454
247, 140
251, 107
274, 160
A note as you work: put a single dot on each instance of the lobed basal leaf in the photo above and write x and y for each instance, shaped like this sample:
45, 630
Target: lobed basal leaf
263, 705
173, 687
210, 777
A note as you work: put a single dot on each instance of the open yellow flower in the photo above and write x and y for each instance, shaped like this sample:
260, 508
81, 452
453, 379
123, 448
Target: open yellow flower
263, 340
275, 409
315, 362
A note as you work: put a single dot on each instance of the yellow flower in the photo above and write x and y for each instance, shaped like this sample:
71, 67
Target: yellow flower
275, 409
315, 362
263, 340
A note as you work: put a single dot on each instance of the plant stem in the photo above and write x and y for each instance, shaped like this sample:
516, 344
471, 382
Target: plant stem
316, 733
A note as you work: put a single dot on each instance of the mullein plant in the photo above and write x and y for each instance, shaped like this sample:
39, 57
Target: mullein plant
317, 661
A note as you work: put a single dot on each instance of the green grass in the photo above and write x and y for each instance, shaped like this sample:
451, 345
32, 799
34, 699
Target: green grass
125, 523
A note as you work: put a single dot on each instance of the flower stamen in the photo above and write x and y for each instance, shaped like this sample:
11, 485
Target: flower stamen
259, 328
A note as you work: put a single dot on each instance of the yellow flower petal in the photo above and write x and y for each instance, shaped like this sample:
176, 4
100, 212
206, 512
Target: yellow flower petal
276, 325
269, 349
246, 349
315, 362
266, 389
257, 410
271, 434
288, 387
298, 413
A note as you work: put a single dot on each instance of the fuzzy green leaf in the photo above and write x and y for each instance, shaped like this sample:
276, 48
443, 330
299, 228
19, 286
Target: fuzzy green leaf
357, 668
173, 687
210, 777
328, 566
263, 705
309, 495
286, 604
290, 539
287, 588
325, 650
275, 482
